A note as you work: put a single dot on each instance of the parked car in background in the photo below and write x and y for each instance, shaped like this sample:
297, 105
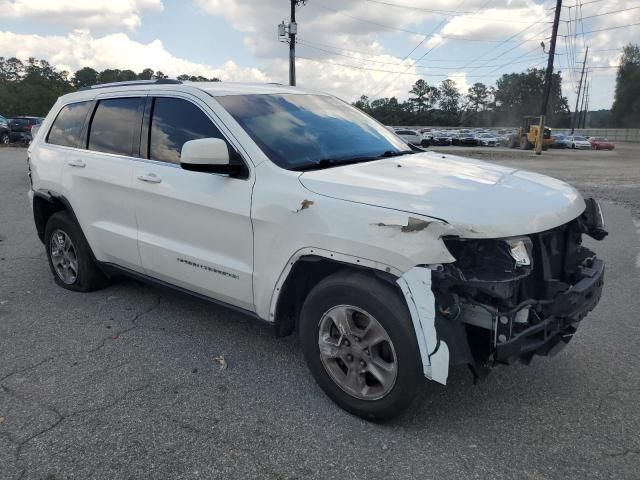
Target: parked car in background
558, 141
577, 141
441, 139
20, 128
487, 139
466, 140
411, 136
5, 137
601, 143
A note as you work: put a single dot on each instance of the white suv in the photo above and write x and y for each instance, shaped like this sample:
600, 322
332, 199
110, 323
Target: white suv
292, 206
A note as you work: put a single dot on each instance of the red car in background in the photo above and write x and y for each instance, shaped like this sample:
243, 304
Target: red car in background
601, 143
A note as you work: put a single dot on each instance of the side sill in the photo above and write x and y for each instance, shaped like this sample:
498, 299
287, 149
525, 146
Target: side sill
111, 269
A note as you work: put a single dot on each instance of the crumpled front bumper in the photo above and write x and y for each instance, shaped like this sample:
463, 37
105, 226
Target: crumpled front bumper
552, 333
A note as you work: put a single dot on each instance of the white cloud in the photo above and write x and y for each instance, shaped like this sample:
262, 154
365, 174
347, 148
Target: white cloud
460, 79
82, 13
80, 49
335, 23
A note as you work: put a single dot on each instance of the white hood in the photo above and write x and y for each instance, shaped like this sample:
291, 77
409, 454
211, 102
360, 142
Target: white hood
482, 199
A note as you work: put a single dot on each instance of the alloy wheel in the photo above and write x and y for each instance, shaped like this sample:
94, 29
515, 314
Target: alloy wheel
63, 256
357, 353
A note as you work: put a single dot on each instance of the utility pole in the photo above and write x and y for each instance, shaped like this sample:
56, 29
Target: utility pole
575, 113
293, 30
586, 109
584, 99
548, 79
287, 33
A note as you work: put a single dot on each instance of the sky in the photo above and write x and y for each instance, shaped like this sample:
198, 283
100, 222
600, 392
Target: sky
346, 47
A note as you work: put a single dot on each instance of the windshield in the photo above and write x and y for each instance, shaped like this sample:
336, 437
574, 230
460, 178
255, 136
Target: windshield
300, 131
580, 138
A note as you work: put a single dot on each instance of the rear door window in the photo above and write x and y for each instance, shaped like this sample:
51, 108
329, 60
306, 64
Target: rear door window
115, 124
67, 127
175, 121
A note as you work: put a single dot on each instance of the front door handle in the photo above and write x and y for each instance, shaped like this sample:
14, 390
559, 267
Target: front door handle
76, 163
149, 178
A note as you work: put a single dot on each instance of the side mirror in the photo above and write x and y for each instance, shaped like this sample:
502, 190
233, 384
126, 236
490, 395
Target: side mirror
205, 155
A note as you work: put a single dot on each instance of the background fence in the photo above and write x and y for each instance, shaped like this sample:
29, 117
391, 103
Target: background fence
613, 134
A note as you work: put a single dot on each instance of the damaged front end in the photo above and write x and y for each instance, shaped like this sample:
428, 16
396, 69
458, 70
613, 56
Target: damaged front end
506, 300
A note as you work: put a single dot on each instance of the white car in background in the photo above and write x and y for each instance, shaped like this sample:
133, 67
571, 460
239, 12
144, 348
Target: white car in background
577, 141
487, 139
410, 136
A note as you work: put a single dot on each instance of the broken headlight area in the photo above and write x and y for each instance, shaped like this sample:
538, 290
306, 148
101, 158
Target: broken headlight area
506, 300
488, 260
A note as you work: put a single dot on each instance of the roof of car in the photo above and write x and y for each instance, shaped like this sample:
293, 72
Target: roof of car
212, 88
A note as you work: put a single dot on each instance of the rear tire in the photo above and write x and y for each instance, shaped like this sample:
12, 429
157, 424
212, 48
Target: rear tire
70, 257
349, 355
5, 139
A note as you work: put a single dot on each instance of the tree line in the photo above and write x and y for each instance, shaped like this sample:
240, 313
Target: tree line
33, 86
513, 96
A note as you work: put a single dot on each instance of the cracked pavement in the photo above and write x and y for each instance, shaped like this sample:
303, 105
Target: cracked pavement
123, 383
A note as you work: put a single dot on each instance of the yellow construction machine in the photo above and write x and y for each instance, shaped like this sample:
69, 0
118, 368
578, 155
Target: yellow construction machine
525, 136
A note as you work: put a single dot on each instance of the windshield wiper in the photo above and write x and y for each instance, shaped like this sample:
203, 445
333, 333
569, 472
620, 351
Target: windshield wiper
334, 162
393, 153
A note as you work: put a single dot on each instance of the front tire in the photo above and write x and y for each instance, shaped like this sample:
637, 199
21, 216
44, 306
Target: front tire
5, 139
524, 143
360, 345
70, 257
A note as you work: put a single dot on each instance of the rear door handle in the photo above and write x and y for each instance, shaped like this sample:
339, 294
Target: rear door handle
149, 178
76, 163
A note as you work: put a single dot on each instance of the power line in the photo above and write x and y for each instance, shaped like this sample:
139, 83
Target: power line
570, 53
610, 28
369, 54
399, 64
600, 67
602, 14
443, 12
507, 40
391, 27
583, 3
417, 46
442, 75
435, 46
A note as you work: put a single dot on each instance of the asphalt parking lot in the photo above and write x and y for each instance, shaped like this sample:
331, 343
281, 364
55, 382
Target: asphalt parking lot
127, 383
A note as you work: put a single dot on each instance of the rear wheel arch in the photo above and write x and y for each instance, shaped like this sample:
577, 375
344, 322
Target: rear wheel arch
45, 204
304, 274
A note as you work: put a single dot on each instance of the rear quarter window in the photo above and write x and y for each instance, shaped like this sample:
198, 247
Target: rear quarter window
67, 127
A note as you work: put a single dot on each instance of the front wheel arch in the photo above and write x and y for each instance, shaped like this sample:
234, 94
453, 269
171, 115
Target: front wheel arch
306, 272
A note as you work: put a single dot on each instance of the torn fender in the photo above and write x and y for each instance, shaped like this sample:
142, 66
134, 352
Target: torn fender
416, 288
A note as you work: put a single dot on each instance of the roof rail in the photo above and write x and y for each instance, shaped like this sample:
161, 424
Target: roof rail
158, 81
